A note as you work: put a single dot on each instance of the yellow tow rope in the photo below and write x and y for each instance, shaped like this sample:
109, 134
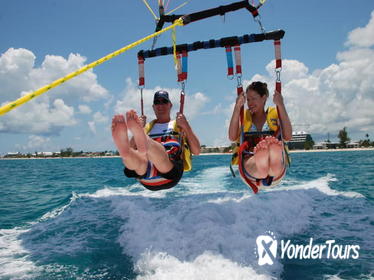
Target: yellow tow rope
10, 106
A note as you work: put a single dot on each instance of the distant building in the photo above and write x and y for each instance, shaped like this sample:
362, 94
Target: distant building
326, 145
298, 140
353, 145
12, 155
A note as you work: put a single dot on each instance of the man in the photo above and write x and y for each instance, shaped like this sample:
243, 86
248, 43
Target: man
158, 154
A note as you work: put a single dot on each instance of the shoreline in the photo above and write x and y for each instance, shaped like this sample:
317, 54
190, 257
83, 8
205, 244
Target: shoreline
307, 151
207, 154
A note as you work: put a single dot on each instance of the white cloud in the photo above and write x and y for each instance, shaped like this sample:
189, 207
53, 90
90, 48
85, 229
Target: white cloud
84, 109
36, 142
362, 36
131, 100
100, 118
18, 73
39, 117
92, 127
51, 112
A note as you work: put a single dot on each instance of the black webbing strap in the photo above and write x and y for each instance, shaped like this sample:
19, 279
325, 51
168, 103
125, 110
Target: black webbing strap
221, 10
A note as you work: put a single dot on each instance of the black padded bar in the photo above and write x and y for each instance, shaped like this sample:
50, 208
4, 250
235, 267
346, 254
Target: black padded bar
223, 42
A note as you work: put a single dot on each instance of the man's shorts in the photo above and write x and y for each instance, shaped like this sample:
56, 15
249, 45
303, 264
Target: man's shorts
154, 180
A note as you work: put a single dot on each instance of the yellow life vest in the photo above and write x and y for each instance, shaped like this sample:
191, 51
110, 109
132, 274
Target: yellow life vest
271, 120
186, 152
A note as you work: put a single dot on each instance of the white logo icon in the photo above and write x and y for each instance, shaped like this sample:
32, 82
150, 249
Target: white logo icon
266, 249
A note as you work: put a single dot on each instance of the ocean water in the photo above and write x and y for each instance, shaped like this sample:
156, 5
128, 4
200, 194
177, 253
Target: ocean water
82, 219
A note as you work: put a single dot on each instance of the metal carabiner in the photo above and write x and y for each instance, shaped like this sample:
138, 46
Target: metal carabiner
258, 20
278, 74
239, 80
183, 86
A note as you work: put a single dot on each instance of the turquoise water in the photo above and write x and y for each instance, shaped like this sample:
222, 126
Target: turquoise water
82, 219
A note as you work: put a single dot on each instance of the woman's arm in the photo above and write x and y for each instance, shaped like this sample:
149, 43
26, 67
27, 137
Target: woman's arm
234, 122
285, 120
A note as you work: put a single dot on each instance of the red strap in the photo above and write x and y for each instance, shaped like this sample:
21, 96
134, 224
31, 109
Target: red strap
254, 13
278, 57
181, 107
278, 87
238, 60
182, 65
179, 67
141, 70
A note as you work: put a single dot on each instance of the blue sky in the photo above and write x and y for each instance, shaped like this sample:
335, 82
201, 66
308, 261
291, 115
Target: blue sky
328, 84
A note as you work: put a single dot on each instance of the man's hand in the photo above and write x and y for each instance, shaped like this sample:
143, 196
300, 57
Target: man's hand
143, 120
182, 122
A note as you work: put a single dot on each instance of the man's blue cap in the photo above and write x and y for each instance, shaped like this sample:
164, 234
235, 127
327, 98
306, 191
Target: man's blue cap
161, 94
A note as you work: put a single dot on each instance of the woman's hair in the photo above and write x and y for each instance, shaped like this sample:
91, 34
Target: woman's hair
259, 87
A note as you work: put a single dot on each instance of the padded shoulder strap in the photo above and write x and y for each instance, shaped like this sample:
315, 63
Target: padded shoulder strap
148, 127
272, 118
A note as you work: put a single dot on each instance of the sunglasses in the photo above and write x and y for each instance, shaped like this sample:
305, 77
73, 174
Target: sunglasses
160, 101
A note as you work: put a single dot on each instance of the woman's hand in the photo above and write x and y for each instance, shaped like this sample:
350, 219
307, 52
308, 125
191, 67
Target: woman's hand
278, 98
240, 100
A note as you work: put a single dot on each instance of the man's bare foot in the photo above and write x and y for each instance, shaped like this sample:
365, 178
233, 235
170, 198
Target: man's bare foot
261, 156
136, 127
119, 134
275, 157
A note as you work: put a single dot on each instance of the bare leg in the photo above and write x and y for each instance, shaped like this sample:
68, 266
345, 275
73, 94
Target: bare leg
155, 151
130, 157
258, 165
137, 130
276, 157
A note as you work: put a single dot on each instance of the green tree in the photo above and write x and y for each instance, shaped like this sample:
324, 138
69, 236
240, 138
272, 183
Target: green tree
68, 152
309, 143
366, 142
343, 138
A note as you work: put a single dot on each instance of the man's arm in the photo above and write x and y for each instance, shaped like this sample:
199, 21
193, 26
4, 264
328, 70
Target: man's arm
192, 139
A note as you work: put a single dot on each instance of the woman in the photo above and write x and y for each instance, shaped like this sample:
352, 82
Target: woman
264, 162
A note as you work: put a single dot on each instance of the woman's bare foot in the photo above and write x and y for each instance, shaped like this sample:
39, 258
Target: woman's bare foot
275, 156
119, 134
135, 126
261, 156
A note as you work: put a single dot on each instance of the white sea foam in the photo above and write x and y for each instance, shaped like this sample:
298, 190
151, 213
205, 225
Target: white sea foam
189, 226
14, 261
321, 184
132, 190
206, 266
56, 212
210, 180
